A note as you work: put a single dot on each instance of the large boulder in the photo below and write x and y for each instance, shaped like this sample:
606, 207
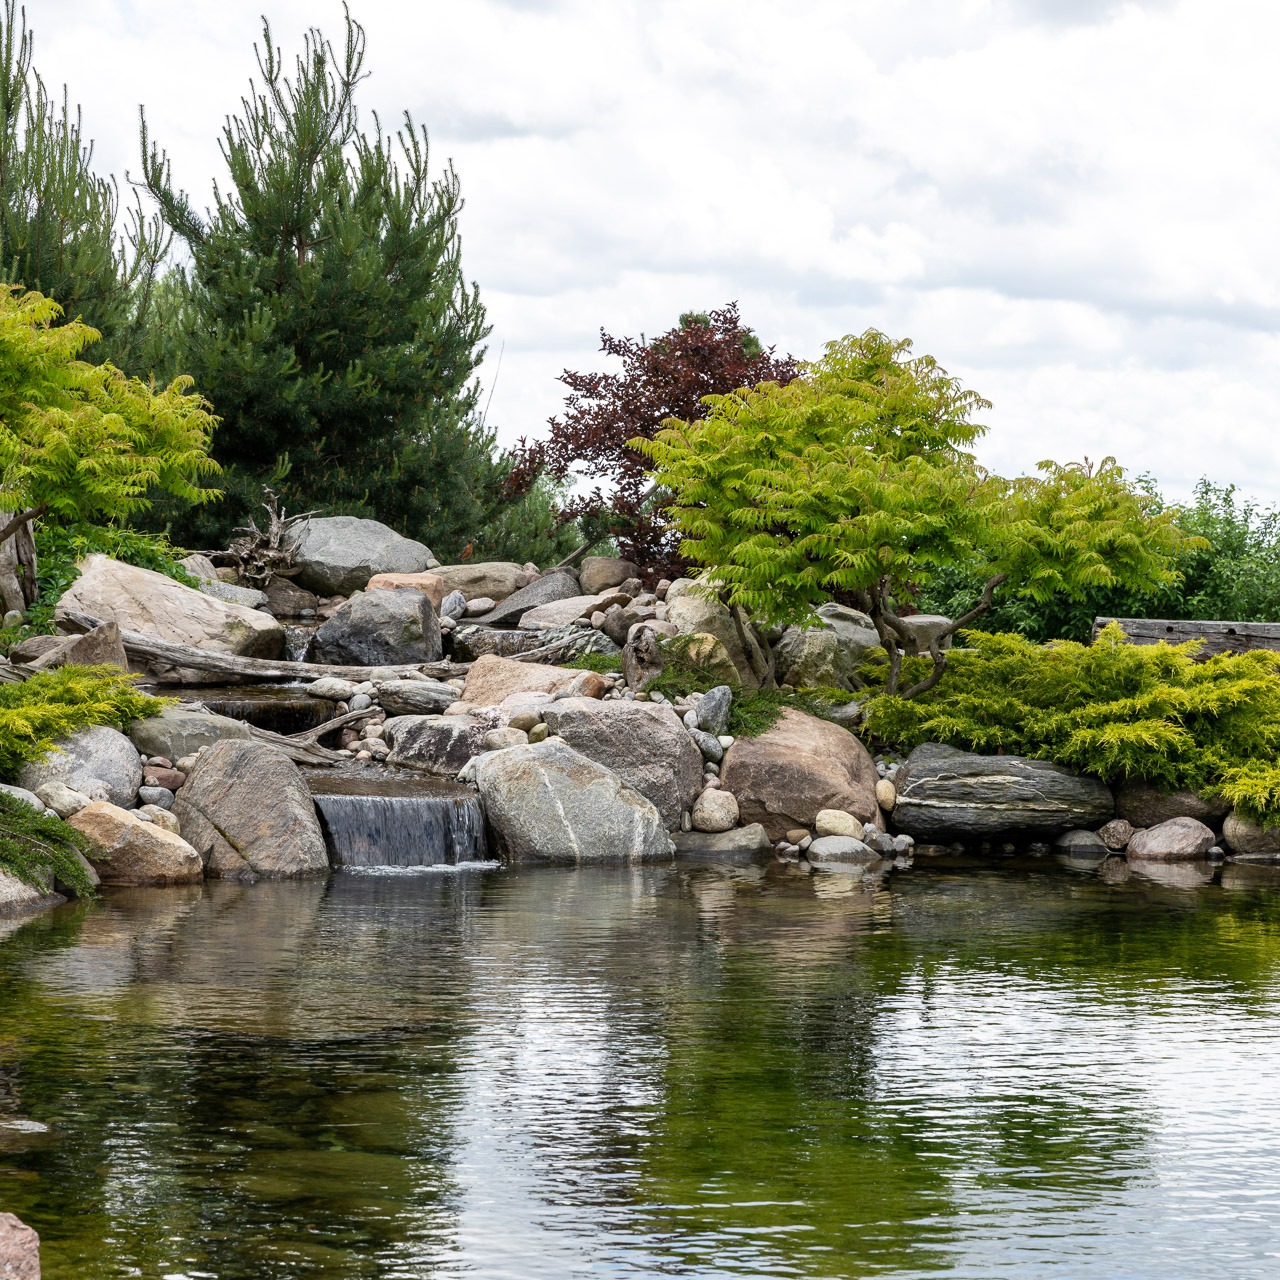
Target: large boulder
380, 628
491, 679
141, 600
548, 803
435, 744
485, 579
1147, 806
600, 573
17, 898
133, 851
89, 760
697, 610
642, 742
1243, 835
802, 765
337, 555
552, 586
247, 810
1178, 840
100, 647
181, 731
19, 1249
414, 697
430, 584
828, 654
945, 794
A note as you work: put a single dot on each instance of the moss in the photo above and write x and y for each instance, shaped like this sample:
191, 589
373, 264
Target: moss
32, 846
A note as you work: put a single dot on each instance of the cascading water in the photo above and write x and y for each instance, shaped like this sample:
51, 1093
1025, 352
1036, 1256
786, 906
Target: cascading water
385, 821
279, 708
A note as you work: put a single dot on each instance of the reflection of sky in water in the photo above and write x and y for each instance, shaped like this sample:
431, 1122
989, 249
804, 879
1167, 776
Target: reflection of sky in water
701, 1072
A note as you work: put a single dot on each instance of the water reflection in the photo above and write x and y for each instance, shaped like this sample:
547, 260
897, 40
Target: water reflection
685, 1070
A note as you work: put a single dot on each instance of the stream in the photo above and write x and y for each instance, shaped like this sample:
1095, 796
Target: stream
1022, 1070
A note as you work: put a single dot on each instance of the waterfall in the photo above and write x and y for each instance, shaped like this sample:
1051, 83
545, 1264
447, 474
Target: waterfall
279, 708
398, 822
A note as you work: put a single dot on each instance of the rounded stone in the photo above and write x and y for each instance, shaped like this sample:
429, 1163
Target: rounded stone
715, 810
837, 822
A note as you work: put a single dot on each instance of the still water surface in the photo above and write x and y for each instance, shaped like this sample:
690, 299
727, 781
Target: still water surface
681, 1071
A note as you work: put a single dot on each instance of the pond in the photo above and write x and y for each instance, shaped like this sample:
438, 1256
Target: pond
688, 1070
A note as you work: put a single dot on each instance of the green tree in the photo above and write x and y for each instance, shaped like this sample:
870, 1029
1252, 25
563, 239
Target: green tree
325, 301
58, 219
854, 482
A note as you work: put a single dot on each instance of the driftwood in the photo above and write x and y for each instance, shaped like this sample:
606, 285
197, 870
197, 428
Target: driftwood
261, 554
1214, 637
148, 649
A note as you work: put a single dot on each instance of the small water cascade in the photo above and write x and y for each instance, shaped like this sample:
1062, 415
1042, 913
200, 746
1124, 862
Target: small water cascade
377, 819
279, 708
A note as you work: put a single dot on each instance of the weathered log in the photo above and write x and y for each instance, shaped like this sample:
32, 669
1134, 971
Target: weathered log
1214, 637
148, 649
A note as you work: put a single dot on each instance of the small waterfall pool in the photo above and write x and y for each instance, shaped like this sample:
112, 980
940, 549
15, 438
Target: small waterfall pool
379, 817
283, 709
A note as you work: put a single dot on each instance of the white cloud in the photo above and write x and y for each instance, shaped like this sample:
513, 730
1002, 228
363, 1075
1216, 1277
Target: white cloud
1069, 205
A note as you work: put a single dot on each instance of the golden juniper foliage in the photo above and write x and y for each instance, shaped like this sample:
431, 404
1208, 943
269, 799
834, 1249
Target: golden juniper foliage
54, 703
83, 441
33, 847
1111, 709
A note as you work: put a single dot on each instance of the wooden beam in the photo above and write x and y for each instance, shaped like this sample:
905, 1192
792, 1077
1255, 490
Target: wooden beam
1214, 637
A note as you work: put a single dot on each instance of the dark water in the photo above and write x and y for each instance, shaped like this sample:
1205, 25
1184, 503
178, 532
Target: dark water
678, 1071
281, 708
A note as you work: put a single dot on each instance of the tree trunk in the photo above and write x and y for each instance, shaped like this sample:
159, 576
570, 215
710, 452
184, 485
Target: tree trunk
17, 568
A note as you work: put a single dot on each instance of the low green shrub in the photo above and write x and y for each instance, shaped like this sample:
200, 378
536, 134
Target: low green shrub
1115, 710
31, 845
607, 664
53, 703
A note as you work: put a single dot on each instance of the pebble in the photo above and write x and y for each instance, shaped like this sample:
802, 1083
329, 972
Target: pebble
726, 740
709, 746
160, 797
712, 769
796, 834
365, 686
539, 733
361, 702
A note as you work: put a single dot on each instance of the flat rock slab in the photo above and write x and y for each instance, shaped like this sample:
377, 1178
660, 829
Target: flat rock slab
491, 579
430, 584
749, 842
560, 613
491, 679
553, 586
179, 731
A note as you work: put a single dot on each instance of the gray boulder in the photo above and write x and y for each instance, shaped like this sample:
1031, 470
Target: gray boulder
552, 586
247, 811
1147, 806
945, 794
547, 803
454, 605
19, 898
1178, 840
435, 744
27, 797
415, 697
742, 842
231, 594
713, 710
491, 579
600, 573
380, 628
841, 849
695, 609
180, 731
642, 742
1243, 835
828, 654
88, 760
337, 555
1081, 846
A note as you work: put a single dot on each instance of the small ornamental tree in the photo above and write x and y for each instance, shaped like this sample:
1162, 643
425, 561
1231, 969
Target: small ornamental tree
666, 377
854, 482
82, 442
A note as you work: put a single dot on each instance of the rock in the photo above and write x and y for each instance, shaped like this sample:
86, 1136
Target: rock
923, 628
708, 745
945, 794
378, 628
706, 656
553, 586
286, 599
836, 822
1147, 806
525, 720
430, 584
742, 842
180, 731
62, 799
501, 739
134, 851
715, 810
100, 647
454, 605
1177, 840
414, 697
642, 742
160, 815
478, 607
230, 593
794, 835
547, 803
332, 689
713, 709
558, 613
599, 573
1243, 835
437, 744
829, 654
800, 766
18, 898
19, 1250
700, 612
886, 795
844, 849
222, 813
28, 651
141, 600
169, 779
23, 794
1080, 843
94, 757
337, 555
494, 579
1116, 834
155, 797
491, 679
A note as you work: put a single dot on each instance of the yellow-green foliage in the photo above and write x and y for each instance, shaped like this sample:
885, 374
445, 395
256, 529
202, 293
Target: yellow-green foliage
54, 703
1112, 709
84, 441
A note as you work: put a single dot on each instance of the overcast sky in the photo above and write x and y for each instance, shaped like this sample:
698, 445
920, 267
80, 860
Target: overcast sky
1070, 203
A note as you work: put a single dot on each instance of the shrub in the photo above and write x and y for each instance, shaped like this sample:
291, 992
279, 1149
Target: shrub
1115, 710
52, 704
31, 845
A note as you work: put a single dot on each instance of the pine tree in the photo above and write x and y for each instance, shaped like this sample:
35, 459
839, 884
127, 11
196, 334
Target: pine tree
325, 308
